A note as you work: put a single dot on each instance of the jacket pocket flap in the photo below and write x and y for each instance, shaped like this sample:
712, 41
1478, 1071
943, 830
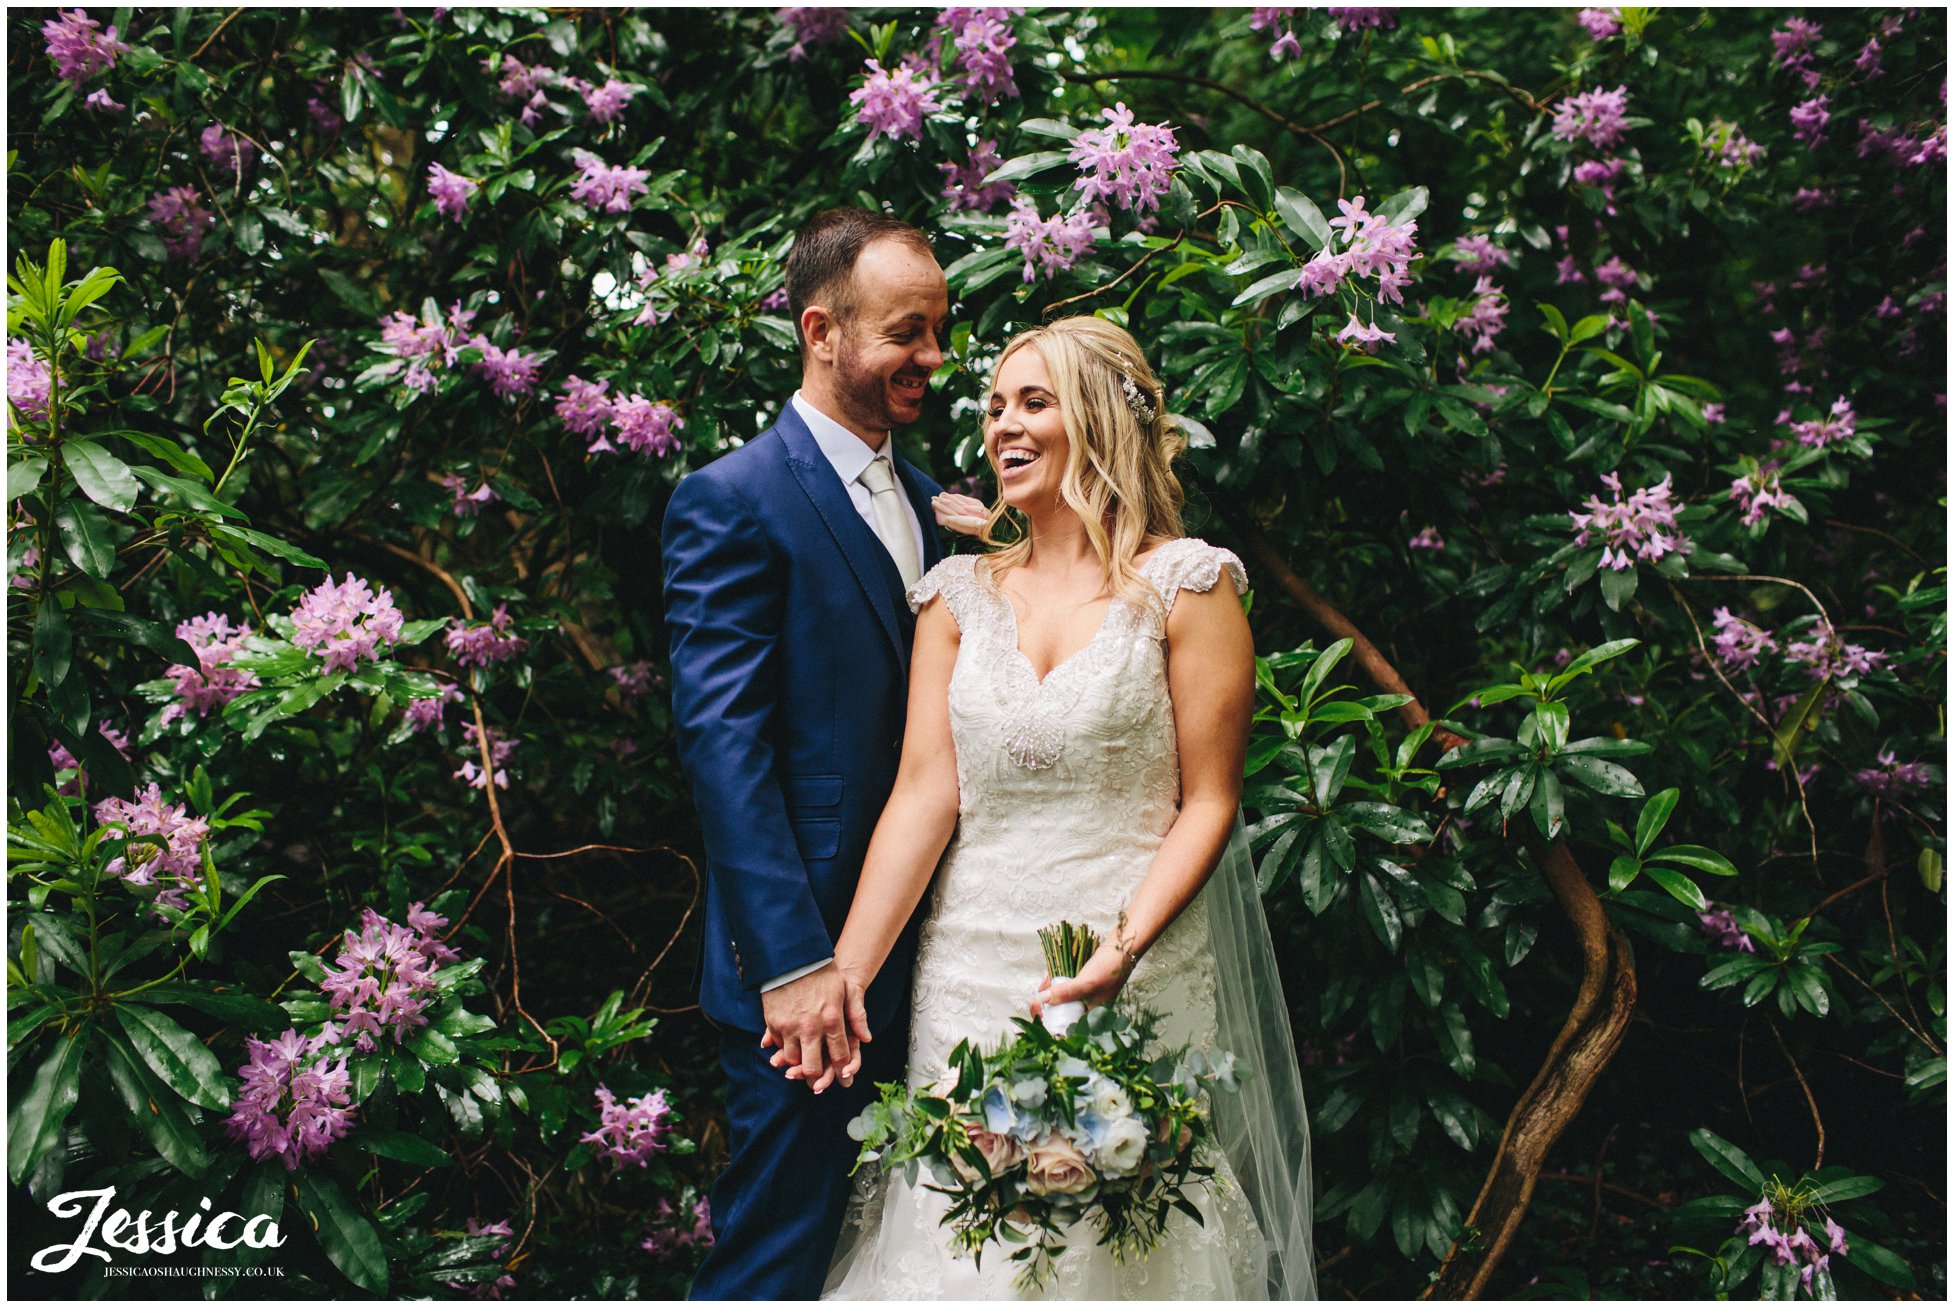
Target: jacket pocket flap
812, 792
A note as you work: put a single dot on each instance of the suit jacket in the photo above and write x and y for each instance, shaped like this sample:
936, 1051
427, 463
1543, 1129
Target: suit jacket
790, 659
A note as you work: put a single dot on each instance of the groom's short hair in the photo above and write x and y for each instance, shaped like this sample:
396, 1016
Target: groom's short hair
821, 266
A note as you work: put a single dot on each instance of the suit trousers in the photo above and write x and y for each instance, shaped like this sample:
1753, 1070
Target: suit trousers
778, 1206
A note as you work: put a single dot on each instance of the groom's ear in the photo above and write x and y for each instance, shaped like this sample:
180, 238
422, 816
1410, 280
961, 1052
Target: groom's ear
819, 328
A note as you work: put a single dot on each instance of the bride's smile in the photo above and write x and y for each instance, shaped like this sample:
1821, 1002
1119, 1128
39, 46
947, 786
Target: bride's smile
1026, 438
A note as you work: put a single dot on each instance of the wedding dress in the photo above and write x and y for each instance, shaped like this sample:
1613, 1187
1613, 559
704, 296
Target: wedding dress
1067, 787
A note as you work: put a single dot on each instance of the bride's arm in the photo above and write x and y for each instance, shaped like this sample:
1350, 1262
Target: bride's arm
915, 825
1211, 678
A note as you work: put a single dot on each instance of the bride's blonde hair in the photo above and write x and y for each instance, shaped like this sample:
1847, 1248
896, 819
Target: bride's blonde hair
1118, 474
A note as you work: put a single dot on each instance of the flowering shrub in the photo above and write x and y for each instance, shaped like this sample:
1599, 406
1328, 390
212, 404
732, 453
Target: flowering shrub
1584, 364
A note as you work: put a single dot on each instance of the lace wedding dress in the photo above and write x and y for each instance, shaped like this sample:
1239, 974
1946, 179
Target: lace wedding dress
1067, 787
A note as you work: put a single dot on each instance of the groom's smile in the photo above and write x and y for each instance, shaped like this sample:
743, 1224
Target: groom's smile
890, 339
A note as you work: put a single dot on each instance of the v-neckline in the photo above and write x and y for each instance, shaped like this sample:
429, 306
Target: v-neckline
1105, 620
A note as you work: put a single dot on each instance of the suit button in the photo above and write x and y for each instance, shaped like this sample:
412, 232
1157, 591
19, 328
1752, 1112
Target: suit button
896, 744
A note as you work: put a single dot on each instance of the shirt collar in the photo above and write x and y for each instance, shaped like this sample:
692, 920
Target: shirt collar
843, 448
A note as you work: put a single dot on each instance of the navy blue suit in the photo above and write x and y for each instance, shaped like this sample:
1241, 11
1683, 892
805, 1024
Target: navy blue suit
790, 655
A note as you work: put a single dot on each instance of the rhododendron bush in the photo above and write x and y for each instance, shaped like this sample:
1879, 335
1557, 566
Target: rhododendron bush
1572, 383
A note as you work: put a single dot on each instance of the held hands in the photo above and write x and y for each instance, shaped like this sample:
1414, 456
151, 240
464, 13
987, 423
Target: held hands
816, 1024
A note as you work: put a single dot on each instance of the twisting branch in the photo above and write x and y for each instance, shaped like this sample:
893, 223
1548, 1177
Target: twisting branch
1138, 264
1818, 1123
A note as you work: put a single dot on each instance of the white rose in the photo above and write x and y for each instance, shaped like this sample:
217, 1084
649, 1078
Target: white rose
1123, 1147
1107, 1098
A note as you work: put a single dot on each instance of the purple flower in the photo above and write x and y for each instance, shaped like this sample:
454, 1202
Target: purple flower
484, 643
812, 25
500, 748
1286, 46
1837, 426
1790, 45
1835, 1235
209, 685
1830, 657
643, 427
61, 760
963, 183
1739, 642
1728, 147
983, 40
1618, 277
1808, 120
383, 978
1356, 20
323, 115
1596, 117
584, 408
600, 186
1712, 413
1323, 274
102, 102
1721, 926
78, 46
1129, 163
1568, 271
1050, 245
668, 1233
170, 861
226, 149
1760, 1212
347, 622
632, 1131
1428, 539
1809, 199
29, 385
893, 103
1758, 493
1867, 65
1375, 247
509, 372
451, 191
182, 219
634, 682
1487, 318
1893, 779
525, 82
1363, 336
1601, 23
1634, 527
467, 503
291, 1104
428, 713
607, 102
1478, 254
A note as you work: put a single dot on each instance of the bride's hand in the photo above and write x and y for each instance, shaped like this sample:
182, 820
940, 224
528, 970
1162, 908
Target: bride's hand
1097, 984
855, 981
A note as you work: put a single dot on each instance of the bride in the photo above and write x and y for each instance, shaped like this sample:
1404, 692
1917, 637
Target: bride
1079, 706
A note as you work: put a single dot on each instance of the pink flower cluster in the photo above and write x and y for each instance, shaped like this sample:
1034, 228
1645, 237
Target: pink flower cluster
500, 749
1488, 316
1739, 641
183, 220
292, 1102
426, 344
209, 685
1427, 539
1728, 147
509, 372
1721, 927
451, 191
1600, 23
226, 149
1597, 117
634, 682
383, 978
170, 859
1275, 18
668, 1232
1786, 1249
1131, 164
489, 1289
812, 25
1050, 244
679, 267
634, 1130
1808, 121
429, 713
528, 83
894, 102
1892, 779
61, 760
1791, 49
467, 503
1831, 658
1478, 254
29, 385
983, 39
79, 47
1356, 20
1837, 426
963, 183
601, 186
1757, 493
1618, 277
1371, 246
643, 427
1641, 526
347, 622
481, 644
1364, 336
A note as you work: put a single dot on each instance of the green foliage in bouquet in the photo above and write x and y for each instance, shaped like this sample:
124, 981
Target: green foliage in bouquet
1047, 1131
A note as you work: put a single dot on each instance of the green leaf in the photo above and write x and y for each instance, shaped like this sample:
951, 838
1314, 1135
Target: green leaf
1556, 323
347, 1237
156, 1109
434, 1047
101, 476
1623, 871
35, 1119
1847, 1187
1617, 587
1301, 216
1728, 1159
188, 491
1548, 808
1264, 287
1879, 1263
235, 1007
169, 451
1027, 165
1386, 821
1678, 885
1698, 857
85, 538
403, 1147
1381, 909
179, 1058
1655, 815
1600, 776
23, 475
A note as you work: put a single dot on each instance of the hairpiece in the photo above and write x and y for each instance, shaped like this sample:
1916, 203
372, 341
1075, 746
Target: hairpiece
1136, 399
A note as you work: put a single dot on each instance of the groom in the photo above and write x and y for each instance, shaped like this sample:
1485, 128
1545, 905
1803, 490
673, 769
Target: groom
785, 566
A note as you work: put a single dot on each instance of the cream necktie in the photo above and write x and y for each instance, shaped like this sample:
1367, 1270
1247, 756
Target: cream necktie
891, 522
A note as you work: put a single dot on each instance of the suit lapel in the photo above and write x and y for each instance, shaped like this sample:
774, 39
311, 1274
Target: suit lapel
874, 571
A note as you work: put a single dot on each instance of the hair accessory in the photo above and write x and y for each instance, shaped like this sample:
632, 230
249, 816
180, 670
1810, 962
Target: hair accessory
1136, 400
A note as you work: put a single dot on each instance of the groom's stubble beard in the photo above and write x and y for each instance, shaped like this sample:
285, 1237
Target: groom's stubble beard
863, 393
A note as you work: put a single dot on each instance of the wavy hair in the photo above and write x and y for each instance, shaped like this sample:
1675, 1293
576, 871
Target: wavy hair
1118, 474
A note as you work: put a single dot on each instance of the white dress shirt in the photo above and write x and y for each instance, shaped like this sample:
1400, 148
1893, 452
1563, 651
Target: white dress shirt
848, 455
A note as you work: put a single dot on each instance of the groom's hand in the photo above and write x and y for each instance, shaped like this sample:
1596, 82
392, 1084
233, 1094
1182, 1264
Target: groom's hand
807, 1019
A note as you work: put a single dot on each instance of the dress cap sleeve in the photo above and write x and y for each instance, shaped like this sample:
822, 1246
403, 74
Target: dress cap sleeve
1192, 564
955, 580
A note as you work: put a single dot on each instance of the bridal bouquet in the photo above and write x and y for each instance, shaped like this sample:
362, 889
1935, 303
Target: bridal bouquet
1069, 1120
